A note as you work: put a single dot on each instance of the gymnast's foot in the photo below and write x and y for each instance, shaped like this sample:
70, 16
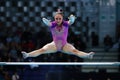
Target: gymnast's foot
90, 55
25, 55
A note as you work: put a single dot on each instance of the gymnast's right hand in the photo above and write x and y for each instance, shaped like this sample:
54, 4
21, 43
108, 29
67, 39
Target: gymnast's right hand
25, 55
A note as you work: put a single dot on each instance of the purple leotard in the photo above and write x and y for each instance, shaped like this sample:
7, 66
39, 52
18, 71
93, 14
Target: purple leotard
59, 36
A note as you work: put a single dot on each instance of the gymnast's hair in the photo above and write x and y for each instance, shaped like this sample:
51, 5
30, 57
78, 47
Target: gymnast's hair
59, 11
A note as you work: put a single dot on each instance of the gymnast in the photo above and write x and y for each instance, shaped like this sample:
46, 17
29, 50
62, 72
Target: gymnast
59, 30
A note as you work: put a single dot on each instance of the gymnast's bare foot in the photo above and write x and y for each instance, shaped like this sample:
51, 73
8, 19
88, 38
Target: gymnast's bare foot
90, 55
25, 54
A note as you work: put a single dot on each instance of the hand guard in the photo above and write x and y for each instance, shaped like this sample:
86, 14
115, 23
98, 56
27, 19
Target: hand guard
46, 21
72, 19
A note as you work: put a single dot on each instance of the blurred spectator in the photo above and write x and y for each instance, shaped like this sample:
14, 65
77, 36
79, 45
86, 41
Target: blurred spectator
0, 59
26, 35
15, 76
119, 45
7, 76
2, 48
13, 53
24, 46
16, 39
94, 39
119, 51
102, 74
30, 45
107, 42
77, 68
9, 40
1, 74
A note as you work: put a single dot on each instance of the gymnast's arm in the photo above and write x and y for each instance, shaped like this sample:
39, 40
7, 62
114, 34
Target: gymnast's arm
71, 19
46, 21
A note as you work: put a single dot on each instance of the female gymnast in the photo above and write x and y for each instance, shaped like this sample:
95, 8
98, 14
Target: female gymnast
59, 30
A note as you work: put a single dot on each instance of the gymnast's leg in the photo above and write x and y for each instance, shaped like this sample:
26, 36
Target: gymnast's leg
48, 48
68, 48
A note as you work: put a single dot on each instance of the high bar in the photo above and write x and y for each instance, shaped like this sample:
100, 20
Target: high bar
62, 63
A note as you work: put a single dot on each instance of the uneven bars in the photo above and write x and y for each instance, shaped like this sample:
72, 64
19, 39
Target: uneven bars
63, 63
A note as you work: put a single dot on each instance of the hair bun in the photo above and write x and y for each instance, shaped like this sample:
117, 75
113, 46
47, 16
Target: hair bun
59, 10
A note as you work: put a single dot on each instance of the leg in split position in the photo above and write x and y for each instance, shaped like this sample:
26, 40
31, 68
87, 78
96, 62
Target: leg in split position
51, 48
68, 48
48, 48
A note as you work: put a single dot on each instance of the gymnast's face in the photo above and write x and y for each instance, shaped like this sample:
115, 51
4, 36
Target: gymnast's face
58, 19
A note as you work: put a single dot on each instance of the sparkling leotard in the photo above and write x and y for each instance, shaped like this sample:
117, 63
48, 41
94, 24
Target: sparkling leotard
59, 36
